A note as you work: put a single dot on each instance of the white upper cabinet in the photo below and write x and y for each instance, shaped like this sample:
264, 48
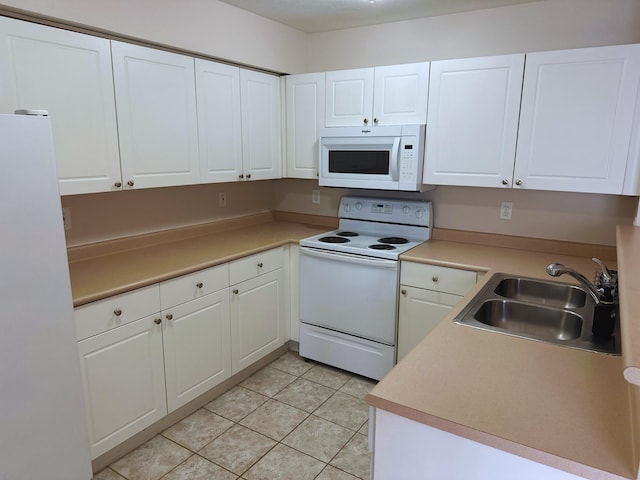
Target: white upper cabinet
304, 118
400, 94
68, 74
389, 95
472, 122
219, 124
349, 97
576, 119
261, 125
157, 121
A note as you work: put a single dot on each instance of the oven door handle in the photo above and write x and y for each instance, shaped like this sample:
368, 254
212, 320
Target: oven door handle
347, 257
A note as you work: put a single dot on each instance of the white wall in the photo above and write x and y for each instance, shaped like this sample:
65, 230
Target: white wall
544, 25
208, 27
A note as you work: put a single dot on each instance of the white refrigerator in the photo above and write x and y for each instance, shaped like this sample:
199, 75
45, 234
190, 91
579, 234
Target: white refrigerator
43, 432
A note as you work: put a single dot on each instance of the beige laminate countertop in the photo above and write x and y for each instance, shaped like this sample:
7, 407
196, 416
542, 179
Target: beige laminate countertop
102, 276
559, 406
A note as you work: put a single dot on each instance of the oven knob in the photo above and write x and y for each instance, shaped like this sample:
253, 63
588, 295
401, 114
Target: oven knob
347, 207
419, 213
406, 210
358, 206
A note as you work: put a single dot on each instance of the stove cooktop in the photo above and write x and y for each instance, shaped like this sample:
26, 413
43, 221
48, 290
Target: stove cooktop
382, 228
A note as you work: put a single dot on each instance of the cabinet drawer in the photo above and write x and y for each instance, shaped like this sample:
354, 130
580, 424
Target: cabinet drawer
103, 315
440, 279
194, 285
254, 265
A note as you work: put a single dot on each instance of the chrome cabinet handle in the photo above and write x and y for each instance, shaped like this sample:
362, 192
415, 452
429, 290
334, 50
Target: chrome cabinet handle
518, 182
434, 279
248, 176
130, 183
375, 120
366, 121
157, 321
169, 316
235, 291
117, 184
505, 182
117, 312
241, 176
403, 291
199, 285
260, 265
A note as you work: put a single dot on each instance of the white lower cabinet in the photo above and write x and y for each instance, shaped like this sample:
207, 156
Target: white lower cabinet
427, 294
147, 352
426, 452
197, 351
122, 368
257, 307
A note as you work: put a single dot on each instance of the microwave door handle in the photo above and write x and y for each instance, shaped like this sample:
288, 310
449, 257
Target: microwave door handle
395, 157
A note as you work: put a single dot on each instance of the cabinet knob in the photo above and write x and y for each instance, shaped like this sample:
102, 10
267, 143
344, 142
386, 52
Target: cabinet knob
260, 265
117, 184
235, 290
434, 279
375, 121
366, 121
199, 285
169, 316
117, 312
505, 182
248, 176
130, 183
403, 291
157, 321
241, 176
518, 182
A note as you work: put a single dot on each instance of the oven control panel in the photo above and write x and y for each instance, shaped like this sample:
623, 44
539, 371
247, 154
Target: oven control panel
404, 211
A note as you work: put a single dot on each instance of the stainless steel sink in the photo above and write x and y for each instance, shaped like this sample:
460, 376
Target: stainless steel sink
542, 310
542, 292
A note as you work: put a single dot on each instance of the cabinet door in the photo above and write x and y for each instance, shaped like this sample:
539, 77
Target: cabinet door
219, 126
472, 121
157, 124
197, 350
257, 316
400, 94
305, 116
576, 119
261, 129
349, 97
419, 312
123, 381
68, 74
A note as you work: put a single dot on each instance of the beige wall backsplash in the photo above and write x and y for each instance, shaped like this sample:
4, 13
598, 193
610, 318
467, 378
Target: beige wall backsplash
573, 217
106, 216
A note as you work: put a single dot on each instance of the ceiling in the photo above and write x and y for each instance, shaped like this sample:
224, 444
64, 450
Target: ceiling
314, 16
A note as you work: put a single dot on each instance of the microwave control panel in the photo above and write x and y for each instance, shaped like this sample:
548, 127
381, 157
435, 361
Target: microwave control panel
409, 151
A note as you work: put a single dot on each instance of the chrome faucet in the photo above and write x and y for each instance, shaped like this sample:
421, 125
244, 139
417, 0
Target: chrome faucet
604, 291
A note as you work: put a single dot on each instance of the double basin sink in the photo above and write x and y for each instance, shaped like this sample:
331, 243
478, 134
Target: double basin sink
536, 309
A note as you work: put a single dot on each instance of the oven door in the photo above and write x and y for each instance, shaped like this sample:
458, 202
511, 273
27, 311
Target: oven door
347, 293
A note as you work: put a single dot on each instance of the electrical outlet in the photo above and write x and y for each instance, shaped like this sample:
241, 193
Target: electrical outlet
315, 196
222, 199
505, 210
66, 218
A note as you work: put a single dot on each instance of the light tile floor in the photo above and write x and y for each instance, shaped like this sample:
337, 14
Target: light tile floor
291, 420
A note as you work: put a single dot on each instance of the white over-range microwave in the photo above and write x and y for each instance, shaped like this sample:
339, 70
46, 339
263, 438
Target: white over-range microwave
382, 158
